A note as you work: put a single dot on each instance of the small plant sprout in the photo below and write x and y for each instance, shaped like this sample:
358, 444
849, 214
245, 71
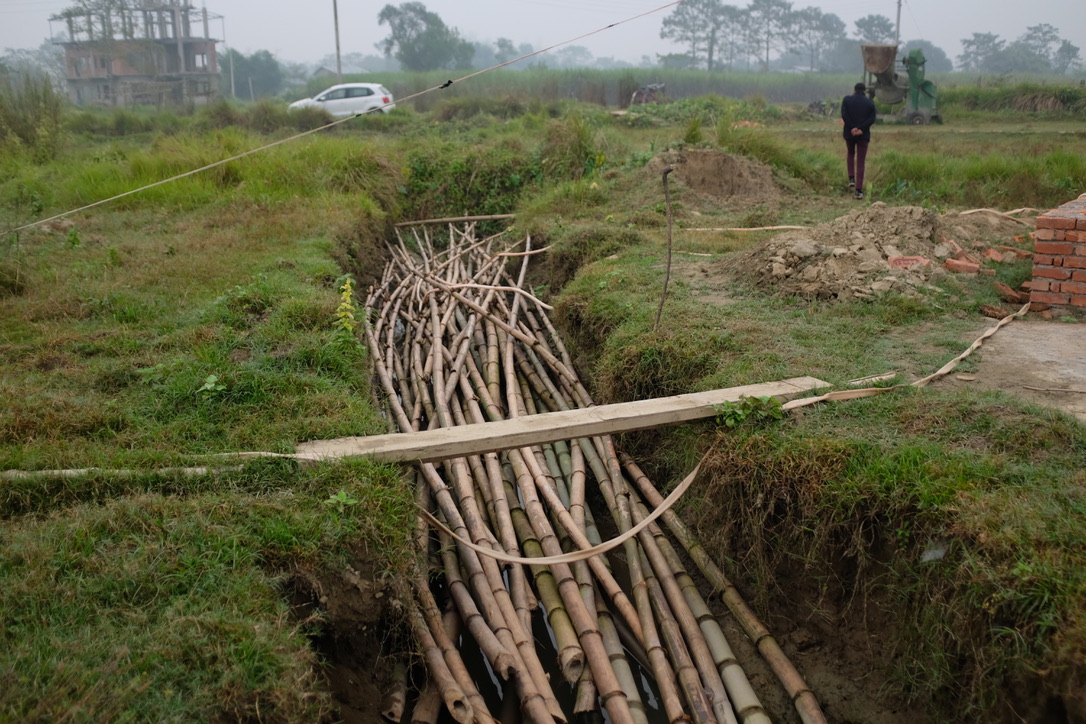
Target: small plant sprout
752, 411
341, 501
211, 386
346, 323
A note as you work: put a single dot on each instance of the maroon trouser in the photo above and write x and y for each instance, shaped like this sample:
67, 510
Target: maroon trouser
857, 156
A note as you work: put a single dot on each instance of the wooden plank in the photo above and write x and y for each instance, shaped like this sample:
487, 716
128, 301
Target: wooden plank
451, 442
454, 219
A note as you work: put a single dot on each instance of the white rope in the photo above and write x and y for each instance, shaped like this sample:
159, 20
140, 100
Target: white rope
573, 556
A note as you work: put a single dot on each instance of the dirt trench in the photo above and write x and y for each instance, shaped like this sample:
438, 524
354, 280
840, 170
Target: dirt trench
834, 637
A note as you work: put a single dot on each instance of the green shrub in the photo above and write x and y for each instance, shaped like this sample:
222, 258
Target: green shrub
569, 150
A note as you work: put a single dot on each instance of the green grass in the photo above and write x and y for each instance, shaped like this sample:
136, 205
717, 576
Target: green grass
201, 317
856, 493
165, 599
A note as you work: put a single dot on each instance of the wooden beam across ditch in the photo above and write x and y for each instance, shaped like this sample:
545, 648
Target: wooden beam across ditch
452, 442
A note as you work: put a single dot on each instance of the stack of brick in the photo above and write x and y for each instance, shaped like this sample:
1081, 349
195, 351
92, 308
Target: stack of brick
1059, 256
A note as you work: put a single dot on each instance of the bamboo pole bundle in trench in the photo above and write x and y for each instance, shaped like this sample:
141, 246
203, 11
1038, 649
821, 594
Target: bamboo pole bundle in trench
456, 340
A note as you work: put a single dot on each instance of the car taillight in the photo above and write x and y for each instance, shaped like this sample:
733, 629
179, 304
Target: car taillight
386, 99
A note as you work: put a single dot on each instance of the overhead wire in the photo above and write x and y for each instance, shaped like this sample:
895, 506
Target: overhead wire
311, 131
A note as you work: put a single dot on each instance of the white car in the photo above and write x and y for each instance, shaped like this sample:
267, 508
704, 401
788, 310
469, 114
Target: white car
349, 99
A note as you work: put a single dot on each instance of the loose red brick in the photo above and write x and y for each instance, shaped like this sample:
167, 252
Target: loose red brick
1020, 253
954, 246
1073, 287
1049, 297
906, 262
1049, 272
963, 267
1009, 295
1053, 247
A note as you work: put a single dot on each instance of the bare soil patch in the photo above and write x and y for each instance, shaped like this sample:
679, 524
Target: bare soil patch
877, 250
353, 609
719, 174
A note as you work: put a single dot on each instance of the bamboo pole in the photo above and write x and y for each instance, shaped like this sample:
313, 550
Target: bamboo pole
395, 700
802, 697
456, 340
455, 702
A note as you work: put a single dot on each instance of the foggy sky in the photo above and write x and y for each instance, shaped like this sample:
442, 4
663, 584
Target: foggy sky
303, 32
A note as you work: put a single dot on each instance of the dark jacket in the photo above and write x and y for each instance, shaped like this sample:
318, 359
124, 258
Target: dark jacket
858, 111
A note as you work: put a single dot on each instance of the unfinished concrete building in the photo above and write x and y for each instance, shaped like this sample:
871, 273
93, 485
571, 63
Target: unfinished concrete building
139, 52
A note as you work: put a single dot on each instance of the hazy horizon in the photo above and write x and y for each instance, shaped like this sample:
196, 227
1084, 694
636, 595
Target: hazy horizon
307, 35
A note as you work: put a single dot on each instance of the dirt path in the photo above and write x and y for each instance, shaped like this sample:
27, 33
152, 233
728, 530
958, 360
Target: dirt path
1043, 362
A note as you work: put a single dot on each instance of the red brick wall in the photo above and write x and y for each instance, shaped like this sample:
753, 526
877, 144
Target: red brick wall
1059, 256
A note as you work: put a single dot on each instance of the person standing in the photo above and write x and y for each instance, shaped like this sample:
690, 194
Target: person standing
858, 113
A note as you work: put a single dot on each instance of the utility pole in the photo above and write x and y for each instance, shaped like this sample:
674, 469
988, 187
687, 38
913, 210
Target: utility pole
339, 63
897, 28
229, 58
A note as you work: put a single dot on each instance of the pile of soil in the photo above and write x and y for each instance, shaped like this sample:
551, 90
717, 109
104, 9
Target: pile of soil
877, 250
719, 174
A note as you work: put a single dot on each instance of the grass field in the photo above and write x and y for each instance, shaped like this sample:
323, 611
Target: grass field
200, 317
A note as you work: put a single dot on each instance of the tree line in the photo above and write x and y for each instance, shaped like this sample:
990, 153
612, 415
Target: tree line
718, 36
764, 35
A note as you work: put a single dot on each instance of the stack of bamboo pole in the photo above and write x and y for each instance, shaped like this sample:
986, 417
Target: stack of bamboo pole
456, 340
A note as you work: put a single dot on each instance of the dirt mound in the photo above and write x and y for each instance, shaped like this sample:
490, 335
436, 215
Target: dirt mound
880, 249
719, 174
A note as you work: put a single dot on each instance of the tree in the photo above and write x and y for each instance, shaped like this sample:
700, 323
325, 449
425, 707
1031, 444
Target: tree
1042, 40
505, 50
734, 35
420, 40
1017, 57
936, 58
843, 56
815, 32
708, 27
572, 56
978, 50
47, 58
255, 76
875, 29
770, 24
1066, 57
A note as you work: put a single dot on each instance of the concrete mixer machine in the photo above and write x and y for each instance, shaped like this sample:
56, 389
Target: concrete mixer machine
887, 85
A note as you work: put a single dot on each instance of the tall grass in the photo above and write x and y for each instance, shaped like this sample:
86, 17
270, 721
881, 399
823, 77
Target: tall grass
30, 114
611, 88
1042, 179
1034, 98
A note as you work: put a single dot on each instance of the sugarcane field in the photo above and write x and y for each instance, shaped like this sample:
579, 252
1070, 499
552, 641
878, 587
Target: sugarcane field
500, 408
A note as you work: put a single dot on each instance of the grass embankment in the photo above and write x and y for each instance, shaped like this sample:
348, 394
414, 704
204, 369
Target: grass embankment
200, 317
855, 496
